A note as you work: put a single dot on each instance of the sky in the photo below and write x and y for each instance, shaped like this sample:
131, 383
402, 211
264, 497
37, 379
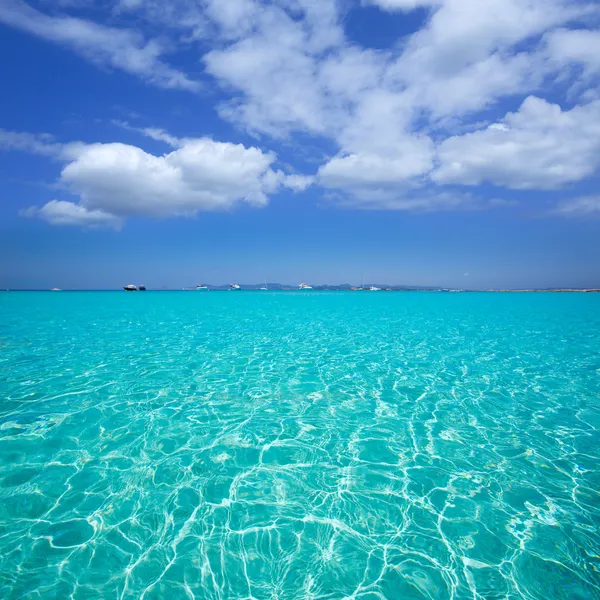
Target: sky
451, 143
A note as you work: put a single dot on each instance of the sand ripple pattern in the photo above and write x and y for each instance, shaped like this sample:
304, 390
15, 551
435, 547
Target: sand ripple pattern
300, 445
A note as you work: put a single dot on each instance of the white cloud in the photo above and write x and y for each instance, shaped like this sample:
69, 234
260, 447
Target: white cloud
60, 212
538, 147
574, 47
410, 200
463, 60
122, 49
466, 57
37, 144
402, 5
286, 67
114, 181
235, 17
274, 66
42, 144
582, 207
380, 107
155, 133
201, 175
411, 159
271, 182
298, 183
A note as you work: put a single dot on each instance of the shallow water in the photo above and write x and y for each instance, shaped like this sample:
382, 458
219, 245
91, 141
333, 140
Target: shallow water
299, 445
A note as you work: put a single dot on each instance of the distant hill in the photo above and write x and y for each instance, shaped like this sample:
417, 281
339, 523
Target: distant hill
274, 286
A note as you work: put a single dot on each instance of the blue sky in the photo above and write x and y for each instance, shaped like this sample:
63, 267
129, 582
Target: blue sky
419, 142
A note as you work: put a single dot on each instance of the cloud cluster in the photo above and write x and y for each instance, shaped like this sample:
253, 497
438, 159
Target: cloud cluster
115, 181
538, 147
387, 110
405, 121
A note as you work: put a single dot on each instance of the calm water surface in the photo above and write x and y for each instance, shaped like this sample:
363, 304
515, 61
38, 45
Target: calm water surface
299, 445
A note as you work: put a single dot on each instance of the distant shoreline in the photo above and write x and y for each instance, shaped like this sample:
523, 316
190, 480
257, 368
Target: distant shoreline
336, 289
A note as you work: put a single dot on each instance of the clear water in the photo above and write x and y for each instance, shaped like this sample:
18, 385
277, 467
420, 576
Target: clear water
299, 445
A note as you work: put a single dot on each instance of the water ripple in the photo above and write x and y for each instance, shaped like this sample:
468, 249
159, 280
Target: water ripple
317, 446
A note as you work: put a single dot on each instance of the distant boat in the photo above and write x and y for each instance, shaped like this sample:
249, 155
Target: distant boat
304, 286
142, 288
202, 288
265, 288
374, 289
53, 290
130, 288
234, 287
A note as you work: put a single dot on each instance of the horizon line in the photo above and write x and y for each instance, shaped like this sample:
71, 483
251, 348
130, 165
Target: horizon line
316, 288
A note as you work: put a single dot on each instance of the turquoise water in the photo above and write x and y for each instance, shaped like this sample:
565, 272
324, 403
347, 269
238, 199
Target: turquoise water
299, 445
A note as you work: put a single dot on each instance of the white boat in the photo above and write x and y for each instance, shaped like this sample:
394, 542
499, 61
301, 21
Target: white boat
264, 288
53, 290
234, 287
130, 288
304, 286
374, 289
202, 288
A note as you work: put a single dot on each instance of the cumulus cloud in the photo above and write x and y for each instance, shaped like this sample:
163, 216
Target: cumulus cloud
273, 64
462, 60
582, 207
115, 181
201, 175
287, 67
105, 46
409, 160
539, 146
380, 107
471, 54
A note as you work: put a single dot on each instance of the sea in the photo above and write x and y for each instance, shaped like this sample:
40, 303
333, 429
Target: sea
314, 445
